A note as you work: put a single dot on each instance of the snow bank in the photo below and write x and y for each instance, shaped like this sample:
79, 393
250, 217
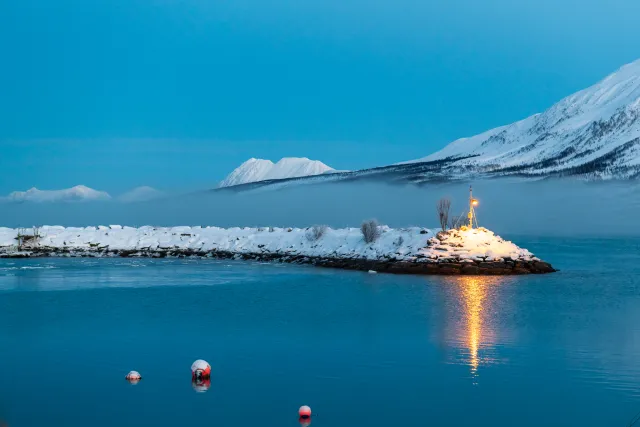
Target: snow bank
406, 244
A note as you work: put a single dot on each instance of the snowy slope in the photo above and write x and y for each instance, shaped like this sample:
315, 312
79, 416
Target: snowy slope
254, 170
74, 194
594, 132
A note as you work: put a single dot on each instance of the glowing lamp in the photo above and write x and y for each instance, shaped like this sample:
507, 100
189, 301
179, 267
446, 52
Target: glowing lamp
474, 202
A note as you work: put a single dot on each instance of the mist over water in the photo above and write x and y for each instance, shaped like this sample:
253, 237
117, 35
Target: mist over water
508, 207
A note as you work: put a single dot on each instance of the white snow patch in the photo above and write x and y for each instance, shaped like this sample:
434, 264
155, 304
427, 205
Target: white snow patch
406, 244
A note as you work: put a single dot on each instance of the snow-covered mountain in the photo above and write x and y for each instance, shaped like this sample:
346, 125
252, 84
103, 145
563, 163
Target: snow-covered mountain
74, 194
254, 170
140, 194
594, 133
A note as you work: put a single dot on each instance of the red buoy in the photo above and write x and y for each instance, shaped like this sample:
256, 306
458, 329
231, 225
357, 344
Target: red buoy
200, 369
304, 412
133, 377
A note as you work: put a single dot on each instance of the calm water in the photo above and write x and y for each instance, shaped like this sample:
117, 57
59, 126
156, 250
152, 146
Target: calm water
361, 349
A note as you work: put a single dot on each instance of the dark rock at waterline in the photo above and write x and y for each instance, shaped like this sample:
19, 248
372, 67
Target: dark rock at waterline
470, 269
422, 267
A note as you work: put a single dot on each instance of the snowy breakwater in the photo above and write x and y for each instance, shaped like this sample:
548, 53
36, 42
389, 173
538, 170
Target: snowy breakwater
407, 250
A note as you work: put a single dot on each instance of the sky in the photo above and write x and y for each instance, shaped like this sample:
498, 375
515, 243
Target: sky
114, 94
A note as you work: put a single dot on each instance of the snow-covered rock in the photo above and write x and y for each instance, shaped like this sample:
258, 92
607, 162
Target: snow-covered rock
345, 248
254, 170
74, 194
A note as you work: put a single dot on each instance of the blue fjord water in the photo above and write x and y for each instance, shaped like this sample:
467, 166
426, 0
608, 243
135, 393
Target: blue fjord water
361, 349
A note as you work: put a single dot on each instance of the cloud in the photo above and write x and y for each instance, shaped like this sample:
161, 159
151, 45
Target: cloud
543, 208
140, 194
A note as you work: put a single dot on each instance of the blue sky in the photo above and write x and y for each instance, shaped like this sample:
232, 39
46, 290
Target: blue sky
174, 94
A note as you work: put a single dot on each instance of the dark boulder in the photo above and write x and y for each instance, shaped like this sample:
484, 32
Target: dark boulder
470, 269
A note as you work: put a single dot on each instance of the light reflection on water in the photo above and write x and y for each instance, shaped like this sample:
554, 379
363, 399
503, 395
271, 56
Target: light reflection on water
470, 328
483, 317
478, 335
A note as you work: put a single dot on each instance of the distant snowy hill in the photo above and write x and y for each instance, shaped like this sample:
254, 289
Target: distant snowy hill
254, 170
593, 133
75, 194
140, 194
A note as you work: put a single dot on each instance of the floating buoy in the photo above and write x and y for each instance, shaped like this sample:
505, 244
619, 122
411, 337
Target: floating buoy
304, 412
133, 377
200, 370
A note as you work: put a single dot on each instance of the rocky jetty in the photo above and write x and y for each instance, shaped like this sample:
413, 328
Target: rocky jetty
403, 251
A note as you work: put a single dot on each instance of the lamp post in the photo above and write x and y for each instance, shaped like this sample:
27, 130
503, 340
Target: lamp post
472, 213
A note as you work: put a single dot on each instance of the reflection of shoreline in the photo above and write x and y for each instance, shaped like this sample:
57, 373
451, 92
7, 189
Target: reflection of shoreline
470, 323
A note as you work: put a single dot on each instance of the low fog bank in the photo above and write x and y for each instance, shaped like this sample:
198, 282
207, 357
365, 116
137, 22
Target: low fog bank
534, 208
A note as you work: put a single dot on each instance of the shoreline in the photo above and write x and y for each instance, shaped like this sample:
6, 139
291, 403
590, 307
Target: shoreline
414, 250
492, 268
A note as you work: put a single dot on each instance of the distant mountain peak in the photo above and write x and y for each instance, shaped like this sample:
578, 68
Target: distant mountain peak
254, 170
593, 134
140, 194
73, 194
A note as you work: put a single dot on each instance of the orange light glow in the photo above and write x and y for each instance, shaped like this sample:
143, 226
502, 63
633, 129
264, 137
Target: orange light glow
474, 333
473, 295
474, 202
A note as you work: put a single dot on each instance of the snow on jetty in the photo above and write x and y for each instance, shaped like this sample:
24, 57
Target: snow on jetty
405, 250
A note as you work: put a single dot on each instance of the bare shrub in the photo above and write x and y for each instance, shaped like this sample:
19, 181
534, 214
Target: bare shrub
316, 232
370, 230
458, 221
442, 207
271, 229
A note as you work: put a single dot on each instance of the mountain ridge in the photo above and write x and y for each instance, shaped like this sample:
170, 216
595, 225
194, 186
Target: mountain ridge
76, 194
255, 170
596, 128
593, 134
